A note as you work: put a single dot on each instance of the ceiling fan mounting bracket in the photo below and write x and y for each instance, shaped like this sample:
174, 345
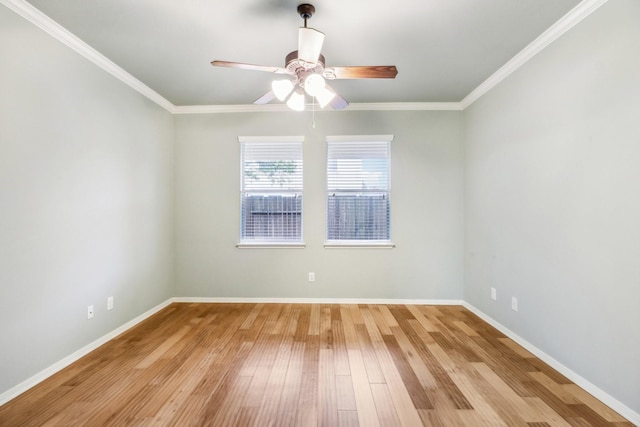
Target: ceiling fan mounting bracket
306, 11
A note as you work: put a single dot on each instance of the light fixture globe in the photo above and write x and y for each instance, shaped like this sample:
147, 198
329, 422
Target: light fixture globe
325, 96
281, 88
314, 84
296, 100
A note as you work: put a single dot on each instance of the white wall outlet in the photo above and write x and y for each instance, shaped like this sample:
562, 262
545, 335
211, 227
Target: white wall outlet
110, 303
514, 303
494, 294
90, 312
312, 276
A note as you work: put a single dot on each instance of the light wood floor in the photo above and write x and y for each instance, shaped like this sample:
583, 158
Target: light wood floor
309, 365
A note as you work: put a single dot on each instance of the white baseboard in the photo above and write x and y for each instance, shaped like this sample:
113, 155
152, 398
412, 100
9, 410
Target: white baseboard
589, 387
58, 366
614, 404
318, 301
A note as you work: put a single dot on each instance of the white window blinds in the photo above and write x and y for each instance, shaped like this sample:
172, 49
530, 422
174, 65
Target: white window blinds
271, 190
358, 205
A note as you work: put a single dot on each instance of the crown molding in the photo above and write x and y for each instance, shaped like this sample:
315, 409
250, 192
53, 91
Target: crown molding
58, 32
266, 108
571, 19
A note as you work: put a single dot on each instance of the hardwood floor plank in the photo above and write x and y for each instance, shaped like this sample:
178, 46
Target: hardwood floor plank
314, 321
347, 419
356, 314
252, 316
349, 329
408, 376
482, 409
511, 399
287, 410
410, 352
327, 395
345, 397
162, 348
552, 417
380, 320
419, 316
363, 391
444, 408
517, 348
340, 357
593, 403
307, 414
369, 355
309, 365
275, 384
402, 400
385, 409
229, 410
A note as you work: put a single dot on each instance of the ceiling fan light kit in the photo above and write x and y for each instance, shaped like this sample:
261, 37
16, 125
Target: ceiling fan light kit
314, 84
296, 100
282, 88
307, 67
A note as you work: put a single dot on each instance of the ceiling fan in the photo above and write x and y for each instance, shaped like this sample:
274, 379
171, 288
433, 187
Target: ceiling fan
307, 72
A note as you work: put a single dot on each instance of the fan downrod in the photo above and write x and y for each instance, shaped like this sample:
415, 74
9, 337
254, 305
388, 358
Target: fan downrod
306, 11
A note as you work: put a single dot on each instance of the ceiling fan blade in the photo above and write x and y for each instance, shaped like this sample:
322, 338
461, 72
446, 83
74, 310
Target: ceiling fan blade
266, 98
361, 72
309, 44
338, 102
253, 67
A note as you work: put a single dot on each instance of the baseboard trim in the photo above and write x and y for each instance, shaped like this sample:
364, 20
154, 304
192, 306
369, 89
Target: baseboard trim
239, 300
58, 366
589, 387
601, 395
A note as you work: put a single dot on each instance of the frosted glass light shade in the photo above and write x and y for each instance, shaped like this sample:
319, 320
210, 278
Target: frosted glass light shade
296, 101
309, 44
325, 96
314, 84
281, 88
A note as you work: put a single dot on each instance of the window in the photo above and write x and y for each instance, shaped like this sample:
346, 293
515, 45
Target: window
358, 205
271, 191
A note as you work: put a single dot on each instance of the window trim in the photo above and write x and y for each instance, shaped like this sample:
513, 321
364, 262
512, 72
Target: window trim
356, 244
272, 244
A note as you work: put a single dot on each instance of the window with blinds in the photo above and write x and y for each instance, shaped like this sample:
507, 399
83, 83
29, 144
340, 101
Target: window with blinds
271, 190
358, 204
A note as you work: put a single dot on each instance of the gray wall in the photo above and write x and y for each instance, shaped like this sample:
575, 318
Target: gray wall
552, 200
85, 201
426, 210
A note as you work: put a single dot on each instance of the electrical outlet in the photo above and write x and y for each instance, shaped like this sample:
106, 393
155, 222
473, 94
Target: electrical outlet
110, 303
312, 276
514, 303
494, 294
90, 312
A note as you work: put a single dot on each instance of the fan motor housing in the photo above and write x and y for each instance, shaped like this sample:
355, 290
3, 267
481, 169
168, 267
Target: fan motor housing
296, 65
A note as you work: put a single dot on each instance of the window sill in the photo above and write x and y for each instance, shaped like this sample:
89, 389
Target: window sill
358, 245
270, 245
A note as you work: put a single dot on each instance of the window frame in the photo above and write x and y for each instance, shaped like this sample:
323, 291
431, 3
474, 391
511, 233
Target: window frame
337, 243
269, 244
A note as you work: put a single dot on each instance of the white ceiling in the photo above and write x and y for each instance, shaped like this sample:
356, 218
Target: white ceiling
443, 49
